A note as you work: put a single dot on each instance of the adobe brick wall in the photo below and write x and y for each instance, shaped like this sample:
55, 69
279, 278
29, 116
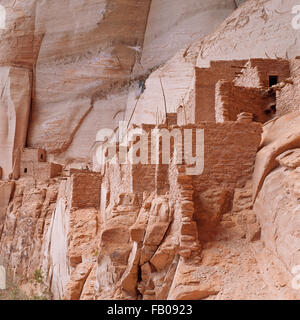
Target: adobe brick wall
35, 155
85, 190
27, 169
39, 170
232, 100
143, 178
270, 67
55, 169
172, 119
152, 177
252, 73
230, 151
205, 85
257, 72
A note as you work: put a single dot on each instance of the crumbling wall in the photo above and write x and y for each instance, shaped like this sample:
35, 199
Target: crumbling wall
232, 100
200, 100
288, 96
229, 157
256, 72
205, 85
249, 77
271, 67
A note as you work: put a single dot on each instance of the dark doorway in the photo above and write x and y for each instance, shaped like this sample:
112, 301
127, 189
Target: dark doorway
273, 80
273, 107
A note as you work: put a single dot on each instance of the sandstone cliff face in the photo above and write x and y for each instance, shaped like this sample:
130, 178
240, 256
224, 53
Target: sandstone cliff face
83, 56
71, 68
15, 109
171, 26
268, 22
276, 184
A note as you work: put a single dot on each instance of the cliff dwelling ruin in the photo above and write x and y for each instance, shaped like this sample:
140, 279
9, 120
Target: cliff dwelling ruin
150, 161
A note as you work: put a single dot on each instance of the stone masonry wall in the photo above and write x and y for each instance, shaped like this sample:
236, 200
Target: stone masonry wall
205, 84
39, 170
229, 154
257, 72
271, 67
36, 155
86, 190
230, 150
232, 100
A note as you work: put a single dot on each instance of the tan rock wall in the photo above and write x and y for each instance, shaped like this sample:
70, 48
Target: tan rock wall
14, 114
277, 210
6, 189
81, 60
288, 97
173, 24
25, 227
36, 155
262, 41
19, 46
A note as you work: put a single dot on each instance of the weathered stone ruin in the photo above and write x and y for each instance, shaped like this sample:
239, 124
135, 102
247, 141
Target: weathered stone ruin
128, 172
234, 87
33, 164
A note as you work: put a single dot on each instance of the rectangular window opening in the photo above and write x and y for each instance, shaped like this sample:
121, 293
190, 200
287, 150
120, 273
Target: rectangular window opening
273, 80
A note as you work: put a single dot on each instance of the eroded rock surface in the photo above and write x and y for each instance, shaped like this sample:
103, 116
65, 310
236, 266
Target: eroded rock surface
150, 231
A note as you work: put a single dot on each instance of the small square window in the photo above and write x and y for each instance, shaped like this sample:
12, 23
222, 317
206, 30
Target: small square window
273, 80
